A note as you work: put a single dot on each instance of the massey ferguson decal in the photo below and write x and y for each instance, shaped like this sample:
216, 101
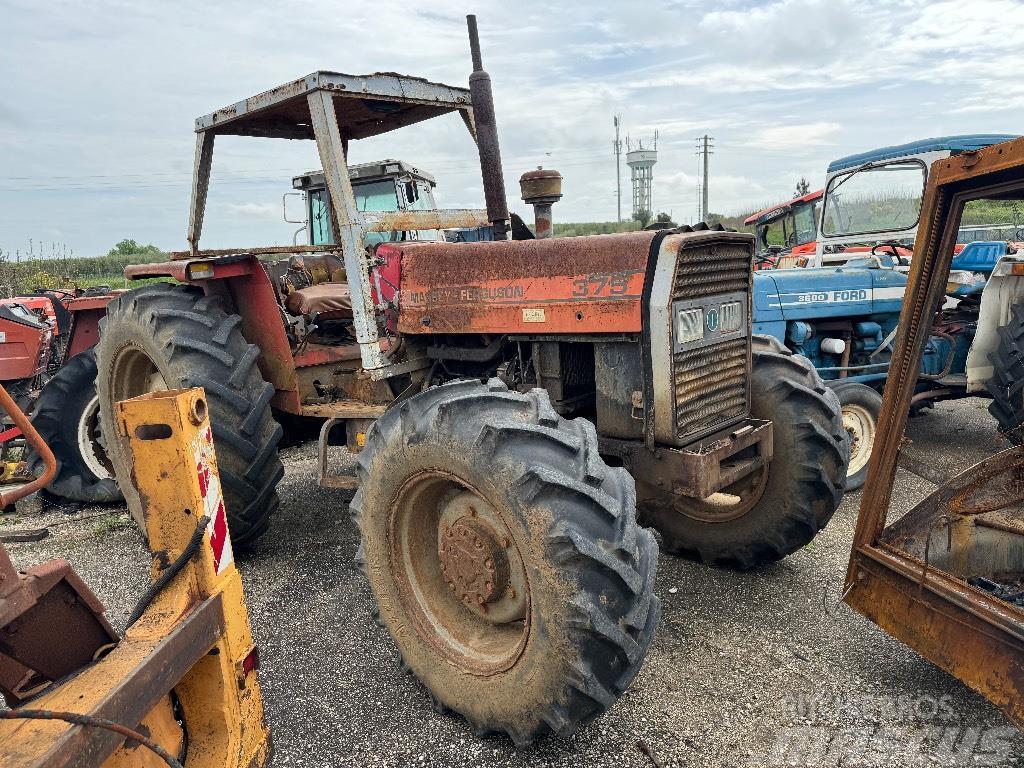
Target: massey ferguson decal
603, 286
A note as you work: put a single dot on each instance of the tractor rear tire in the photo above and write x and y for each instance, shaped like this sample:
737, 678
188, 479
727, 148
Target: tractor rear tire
861, 405
779, 509
66, 415
166, 336
1007, 383
505, 558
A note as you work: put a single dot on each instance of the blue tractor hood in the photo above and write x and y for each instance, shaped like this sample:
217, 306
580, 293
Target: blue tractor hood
824, 292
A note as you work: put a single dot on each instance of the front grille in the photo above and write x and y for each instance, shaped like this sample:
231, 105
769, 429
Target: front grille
703, 271
710, 386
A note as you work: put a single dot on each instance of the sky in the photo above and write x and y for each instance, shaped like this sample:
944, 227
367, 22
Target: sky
98, 100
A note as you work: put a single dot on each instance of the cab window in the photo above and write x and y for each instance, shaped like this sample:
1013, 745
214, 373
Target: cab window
874, 198
320, 230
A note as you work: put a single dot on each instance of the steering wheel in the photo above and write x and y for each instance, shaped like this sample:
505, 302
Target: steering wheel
894, 247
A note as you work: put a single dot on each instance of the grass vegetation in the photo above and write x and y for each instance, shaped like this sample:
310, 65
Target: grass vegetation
26, 275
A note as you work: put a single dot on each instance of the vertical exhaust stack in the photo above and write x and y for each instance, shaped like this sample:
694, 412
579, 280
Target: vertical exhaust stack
487, 138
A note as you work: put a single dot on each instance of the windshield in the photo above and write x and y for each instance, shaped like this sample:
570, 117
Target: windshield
798, 226
875, 198
805, 224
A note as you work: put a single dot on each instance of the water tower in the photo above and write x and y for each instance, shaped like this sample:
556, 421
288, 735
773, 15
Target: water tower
641, 160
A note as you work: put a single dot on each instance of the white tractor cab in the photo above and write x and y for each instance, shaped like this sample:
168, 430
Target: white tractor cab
384, 185
874, 198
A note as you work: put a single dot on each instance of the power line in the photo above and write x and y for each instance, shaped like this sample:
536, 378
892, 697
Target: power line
704, 149
617, 145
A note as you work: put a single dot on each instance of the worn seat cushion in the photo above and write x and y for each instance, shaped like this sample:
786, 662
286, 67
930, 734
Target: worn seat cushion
331, 300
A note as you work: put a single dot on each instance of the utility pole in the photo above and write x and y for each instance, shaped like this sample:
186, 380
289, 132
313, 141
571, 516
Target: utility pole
617, 147
704, 148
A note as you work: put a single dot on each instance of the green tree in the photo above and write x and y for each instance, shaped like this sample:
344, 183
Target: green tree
642, 217
802, 187
128, 248
664, 218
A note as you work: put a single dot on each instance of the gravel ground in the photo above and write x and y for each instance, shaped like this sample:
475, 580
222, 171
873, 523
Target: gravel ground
753, 669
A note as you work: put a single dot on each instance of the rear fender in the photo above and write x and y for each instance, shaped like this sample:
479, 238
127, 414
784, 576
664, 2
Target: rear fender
243, 281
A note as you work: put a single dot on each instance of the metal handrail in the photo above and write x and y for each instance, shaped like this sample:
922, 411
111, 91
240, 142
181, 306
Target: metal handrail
22, 422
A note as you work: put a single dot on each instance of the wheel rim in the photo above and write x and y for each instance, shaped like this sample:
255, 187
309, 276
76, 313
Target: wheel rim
90, 441
860, 425
459, 573
134, 373
731, 503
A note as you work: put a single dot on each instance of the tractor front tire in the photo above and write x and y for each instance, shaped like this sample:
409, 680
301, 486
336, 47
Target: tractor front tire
1007, 383
505, 558
66, 415
166, 336
778, 509
861, 405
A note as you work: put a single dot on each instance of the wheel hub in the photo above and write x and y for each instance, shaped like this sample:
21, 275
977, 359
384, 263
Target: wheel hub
860, 426
473, 562
479, 561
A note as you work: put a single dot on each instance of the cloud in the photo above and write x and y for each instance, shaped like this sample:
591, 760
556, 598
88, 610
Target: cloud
260, 210
784, 86
790, 136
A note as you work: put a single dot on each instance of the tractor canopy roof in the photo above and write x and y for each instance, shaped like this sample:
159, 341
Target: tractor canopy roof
953, 144
366, 172
774, 211
368, 105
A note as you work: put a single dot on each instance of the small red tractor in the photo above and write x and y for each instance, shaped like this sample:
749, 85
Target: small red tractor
510, 403
48, 363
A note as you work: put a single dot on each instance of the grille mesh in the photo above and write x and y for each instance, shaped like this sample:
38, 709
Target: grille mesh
706, 271
710, 386
711, 382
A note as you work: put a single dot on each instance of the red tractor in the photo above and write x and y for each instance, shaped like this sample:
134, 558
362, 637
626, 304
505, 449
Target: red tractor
48, 363
509, 404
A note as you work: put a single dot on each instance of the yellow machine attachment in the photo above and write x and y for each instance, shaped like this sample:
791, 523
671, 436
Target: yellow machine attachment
181, 683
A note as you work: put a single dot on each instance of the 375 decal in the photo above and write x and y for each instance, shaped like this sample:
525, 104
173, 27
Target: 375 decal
602, 284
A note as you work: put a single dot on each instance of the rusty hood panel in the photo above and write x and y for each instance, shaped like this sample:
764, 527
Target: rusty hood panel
590, 284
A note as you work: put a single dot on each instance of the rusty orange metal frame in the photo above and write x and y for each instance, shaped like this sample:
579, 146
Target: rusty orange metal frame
971, 634
22, 422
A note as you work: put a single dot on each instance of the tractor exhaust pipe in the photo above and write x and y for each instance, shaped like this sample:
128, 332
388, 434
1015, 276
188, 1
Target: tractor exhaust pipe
487, 138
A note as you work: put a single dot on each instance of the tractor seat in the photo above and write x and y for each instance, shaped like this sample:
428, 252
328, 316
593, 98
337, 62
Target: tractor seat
330, 301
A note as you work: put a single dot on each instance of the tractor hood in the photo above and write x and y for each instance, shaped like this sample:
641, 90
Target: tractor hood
803, 294
587, 284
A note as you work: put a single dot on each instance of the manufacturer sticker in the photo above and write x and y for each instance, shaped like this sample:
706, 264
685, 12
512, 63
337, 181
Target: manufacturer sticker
534, 316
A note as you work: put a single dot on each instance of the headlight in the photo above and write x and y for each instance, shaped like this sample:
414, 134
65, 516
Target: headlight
689, 325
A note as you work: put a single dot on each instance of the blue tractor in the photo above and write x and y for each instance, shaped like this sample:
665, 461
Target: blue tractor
844, 316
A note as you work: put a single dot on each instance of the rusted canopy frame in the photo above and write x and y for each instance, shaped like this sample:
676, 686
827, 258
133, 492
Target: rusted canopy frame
309, 108
970, 634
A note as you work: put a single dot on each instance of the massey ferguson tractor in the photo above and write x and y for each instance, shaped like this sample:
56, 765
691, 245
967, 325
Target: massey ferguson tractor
48, 363
510, 404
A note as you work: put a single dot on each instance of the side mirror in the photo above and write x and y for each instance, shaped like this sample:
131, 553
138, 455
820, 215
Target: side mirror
285, 208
